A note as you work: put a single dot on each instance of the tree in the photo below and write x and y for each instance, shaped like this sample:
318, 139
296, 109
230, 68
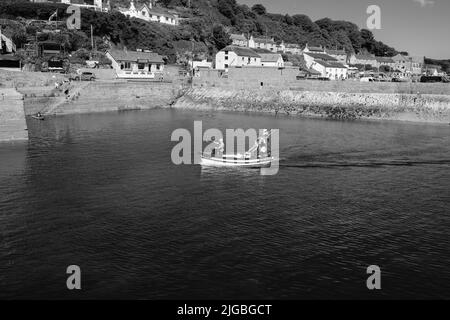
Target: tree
220, 38
227, 8
259, 9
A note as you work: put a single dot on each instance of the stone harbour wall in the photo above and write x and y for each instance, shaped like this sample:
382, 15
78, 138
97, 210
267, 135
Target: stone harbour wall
333, 105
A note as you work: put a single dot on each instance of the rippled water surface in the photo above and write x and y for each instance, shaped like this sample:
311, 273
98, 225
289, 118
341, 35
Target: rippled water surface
100, 191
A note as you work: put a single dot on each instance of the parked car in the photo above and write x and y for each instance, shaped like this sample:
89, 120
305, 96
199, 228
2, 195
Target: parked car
367, 79
83, 76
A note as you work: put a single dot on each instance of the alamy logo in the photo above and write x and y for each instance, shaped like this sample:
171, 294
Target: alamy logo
241, 148
74, 21
74, 280
374, 281
374, 20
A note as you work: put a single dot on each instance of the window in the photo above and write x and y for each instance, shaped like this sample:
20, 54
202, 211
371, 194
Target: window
127, 65
141, 66
158, 67
226, 65
226, 51
226, 57
144, 13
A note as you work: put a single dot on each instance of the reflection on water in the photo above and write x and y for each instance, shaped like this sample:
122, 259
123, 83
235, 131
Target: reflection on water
100, 191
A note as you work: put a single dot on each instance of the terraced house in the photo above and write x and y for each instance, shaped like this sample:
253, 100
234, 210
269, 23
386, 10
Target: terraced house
239, 40
150, 12
263, 43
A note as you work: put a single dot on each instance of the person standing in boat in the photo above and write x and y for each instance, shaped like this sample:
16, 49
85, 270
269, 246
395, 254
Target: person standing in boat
263, 142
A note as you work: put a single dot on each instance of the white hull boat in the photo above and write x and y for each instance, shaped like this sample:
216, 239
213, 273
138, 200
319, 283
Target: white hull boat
233, 161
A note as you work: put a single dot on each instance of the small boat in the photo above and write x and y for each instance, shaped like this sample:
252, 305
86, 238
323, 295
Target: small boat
38, 117
235, 161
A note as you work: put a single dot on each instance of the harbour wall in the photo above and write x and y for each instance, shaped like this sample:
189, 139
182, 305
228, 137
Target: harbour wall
13, 125
332, 105
100, 96
285, 79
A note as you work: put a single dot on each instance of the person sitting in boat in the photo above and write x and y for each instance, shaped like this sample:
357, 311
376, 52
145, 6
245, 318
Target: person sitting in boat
218, 149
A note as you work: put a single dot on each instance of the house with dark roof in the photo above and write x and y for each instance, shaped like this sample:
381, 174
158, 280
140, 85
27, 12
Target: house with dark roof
328, 66
136, 64
311, 57
235, 56
339, 55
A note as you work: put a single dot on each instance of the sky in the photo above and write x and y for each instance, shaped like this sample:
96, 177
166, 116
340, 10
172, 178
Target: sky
420, 27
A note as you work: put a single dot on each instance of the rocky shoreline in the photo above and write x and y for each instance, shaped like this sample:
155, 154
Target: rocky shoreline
331, 105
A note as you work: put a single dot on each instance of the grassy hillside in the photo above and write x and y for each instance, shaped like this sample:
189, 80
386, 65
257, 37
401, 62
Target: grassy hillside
204, 27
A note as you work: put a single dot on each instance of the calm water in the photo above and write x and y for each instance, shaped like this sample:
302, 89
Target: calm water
100, 191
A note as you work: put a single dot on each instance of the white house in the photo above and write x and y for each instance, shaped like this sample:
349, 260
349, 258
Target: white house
149, 12
239, 40
274, 60
262, 43
202, 64
314, 49
96, 5
234, 56
385, 61
331, 70
407, 64
135, 64
6, 44
293, 48
363, 59
311, 57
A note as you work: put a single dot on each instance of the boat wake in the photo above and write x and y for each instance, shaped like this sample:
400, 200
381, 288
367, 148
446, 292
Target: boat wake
366, 164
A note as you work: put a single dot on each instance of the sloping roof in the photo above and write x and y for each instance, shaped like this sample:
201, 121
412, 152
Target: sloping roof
120, 55
239, 37
292, 45
385, 60
336, 52
317, 49
331, 64
241, 51
261, 50
321, 56
418, 59
270, 57
264, 40
8, 57
141, 7
365, 57
399, 57
161, 12
309, 71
